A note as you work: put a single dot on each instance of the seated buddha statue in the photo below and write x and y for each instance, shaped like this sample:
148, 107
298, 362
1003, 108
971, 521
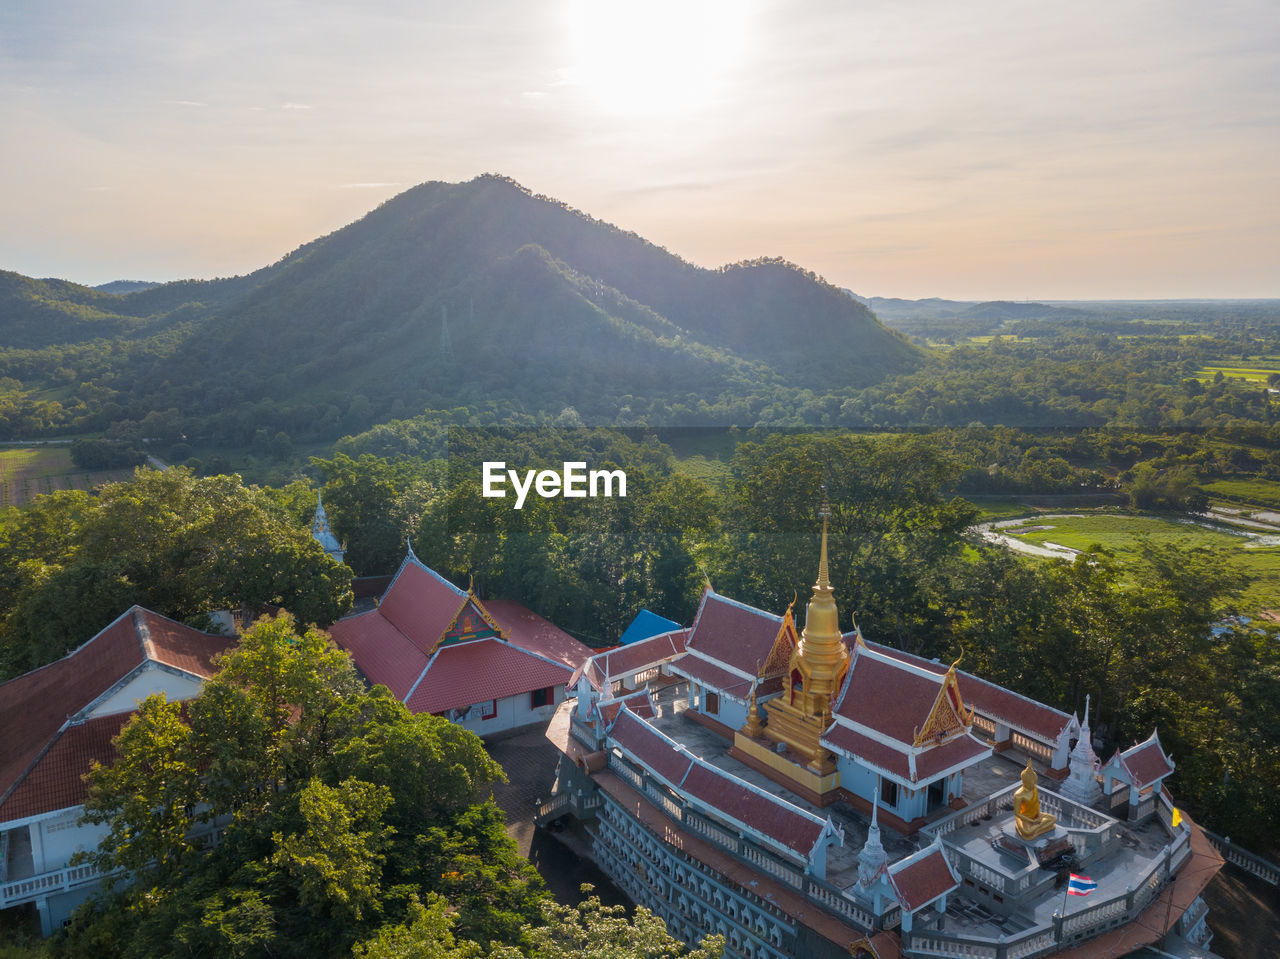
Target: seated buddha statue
1031, 822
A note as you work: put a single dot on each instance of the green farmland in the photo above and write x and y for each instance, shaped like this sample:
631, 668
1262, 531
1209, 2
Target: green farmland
1125, 535
26, 472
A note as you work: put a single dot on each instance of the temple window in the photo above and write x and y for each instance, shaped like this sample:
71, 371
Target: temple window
711, 703
888, 792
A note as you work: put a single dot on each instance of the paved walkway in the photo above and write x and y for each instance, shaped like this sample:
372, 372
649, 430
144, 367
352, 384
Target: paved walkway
560, 858
530, 762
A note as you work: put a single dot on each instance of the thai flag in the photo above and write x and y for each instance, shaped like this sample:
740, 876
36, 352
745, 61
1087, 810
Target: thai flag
1080, 885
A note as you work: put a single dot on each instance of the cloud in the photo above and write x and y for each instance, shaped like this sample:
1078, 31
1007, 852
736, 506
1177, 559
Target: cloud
295, 106
369, 185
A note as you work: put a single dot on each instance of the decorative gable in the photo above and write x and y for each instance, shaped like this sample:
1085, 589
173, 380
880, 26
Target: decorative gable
472, 622
948, 715
784, 646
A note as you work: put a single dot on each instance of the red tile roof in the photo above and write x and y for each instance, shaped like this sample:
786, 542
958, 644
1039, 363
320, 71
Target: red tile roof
383, 653
1012, 709
887, 695
35, 707
1145, 762
463, 674
921, 878
421, 604
634, 658
57, 780
842, 739
650, 748
959, 751
180, 646
714, 789
529, 631
733, 633
771, 817
713, 676
638, 702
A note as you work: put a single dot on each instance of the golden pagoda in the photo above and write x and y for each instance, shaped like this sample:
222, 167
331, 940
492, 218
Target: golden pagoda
796, 720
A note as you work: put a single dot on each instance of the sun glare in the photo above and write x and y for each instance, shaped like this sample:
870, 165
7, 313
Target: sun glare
656, 56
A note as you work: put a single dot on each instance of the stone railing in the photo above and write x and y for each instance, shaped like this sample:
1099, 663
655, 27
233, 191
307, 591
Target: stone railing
1004, 882
1264, 869
1033, 748
552, 808
984, 808
766, 861
33, 887
584, 734
1144, 809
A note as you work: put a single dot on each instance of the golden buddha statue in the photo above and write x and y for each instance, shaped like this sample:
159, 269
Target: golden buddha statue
1031, 822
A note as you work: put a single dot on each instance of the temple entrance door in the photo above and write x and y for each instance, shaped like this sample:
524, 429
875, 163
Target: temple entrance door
797, 684
937, 793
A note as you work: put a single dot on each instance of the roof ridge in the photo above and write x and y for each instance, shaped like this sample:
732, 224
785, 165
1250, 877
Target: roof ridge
74, 651
745, 606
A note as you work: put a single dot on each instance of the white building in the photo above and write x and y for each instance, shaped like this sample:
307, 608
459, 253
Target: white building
59, 719
490, 666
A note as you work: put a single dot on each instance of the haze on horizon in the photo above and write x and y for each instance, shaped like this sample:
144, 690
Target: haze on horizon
989, 150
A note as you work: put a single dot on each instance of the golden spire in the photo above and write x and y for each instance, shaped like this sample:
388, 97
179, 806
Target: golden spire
822, 653
824, 580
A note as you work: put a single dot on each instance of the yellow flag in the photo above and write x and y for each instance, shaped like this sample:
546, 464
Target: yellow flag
1177, 817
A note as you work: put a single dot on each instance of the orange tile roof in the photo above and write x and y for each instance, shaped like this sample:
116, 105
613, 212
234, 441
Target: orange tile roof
421, 604
383, 653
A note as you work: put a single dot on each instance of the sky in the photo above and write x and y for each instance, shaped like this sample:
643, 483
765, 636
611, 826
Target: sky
979, 150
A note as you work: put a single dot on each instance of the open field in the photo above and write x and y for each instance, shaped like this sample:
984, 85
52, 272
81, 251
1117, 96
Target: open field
1126, 534
26, 472
1000, 507
1250, 374
1250, 491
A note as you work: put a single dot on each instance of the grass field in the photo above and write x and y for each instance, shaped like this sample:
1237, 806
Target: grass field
1125, 534
26, 472
999, 507
1251, 374
1250, 492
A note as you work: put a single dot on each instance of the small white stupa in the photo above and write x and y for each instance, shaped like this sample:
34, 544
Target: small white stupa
1082, 784
322, 534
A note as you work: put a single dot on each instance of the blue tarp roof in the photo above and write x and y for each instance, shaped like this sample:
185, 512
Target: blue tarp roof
646, 624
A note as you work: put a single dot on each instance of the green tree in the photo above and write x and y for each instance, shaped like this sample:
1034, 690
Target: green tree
180, 545
338, 809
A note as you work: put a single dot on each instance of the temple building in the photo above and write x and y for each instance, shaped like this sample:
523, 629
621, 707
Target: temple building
806, 792
60, 719
490, 666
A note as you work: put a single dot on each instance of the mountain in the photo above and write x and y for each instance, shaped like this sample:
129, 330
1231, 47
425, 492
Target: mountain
125, 286
476, 294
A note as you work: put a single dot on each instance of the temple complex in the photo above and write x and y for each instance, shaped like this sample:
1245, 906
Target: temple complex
810, 793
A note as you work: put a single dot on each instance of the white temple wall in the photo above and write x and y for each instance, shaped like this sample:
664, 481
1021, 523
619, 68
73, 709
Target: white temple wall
151, 679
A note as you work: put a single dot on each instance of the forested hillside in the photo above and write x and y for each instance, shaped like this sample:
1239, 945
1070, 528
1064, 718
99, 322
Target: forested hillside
477, 295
